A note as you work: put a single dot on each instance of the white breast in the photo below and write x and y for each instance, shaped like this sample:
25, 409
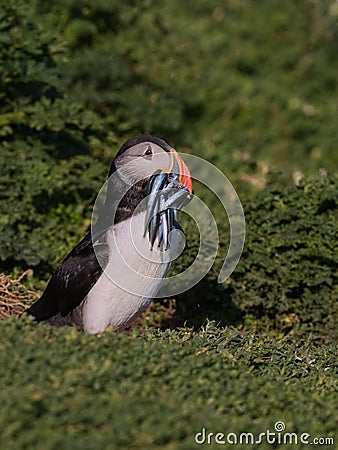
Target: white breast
134, 274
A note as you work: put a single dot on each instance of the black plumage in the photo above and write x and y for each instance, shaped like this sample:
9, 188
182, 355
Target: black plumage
71, 281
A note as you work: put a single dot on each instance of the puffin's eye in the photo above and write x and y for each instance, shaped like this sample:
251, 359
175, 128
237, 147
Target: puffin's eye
148, 153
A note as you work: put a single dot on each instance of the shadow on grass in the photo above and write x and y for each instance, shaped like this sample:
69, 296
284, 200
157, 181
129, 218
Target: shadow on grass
206, 300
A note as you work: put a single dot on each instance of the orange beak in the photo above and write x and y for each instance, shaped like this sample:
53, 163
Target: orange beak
182, 171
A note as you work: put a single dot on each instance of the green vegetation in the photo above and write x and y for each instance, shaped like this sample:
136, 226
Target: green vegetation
287, 278
79, 77
249, 86
63, 389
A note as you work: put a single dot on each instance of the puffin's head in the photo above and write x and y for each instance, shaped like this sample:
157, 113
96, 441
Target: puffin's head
143, 155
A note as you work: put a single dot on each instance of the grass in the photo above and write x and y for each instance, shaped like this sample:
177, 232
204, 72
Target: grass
64, 389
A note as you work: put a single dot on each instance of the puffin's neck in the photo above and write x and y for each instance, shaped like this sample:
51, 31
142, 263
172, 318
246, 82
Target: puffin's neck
130, 201
130, 197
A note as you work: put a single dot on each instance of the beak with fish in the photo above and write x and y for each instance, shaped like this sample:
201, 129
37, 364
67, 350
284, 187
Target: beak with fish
167, 192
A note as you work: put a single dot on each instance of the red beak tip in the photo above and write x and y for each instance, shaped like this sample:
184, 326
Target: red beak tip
185, 177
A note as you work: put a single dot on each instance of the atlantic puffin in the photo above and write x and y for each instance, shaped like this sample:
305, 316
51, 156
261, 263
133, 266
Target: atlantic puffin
113, 273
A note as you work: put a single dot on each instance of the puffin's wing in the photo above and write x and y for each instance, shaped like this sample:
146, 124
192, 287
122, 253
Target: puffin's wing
71, 281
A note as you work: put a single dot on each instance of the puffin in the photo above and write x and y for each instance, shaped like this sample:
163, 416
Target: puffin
114, 272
